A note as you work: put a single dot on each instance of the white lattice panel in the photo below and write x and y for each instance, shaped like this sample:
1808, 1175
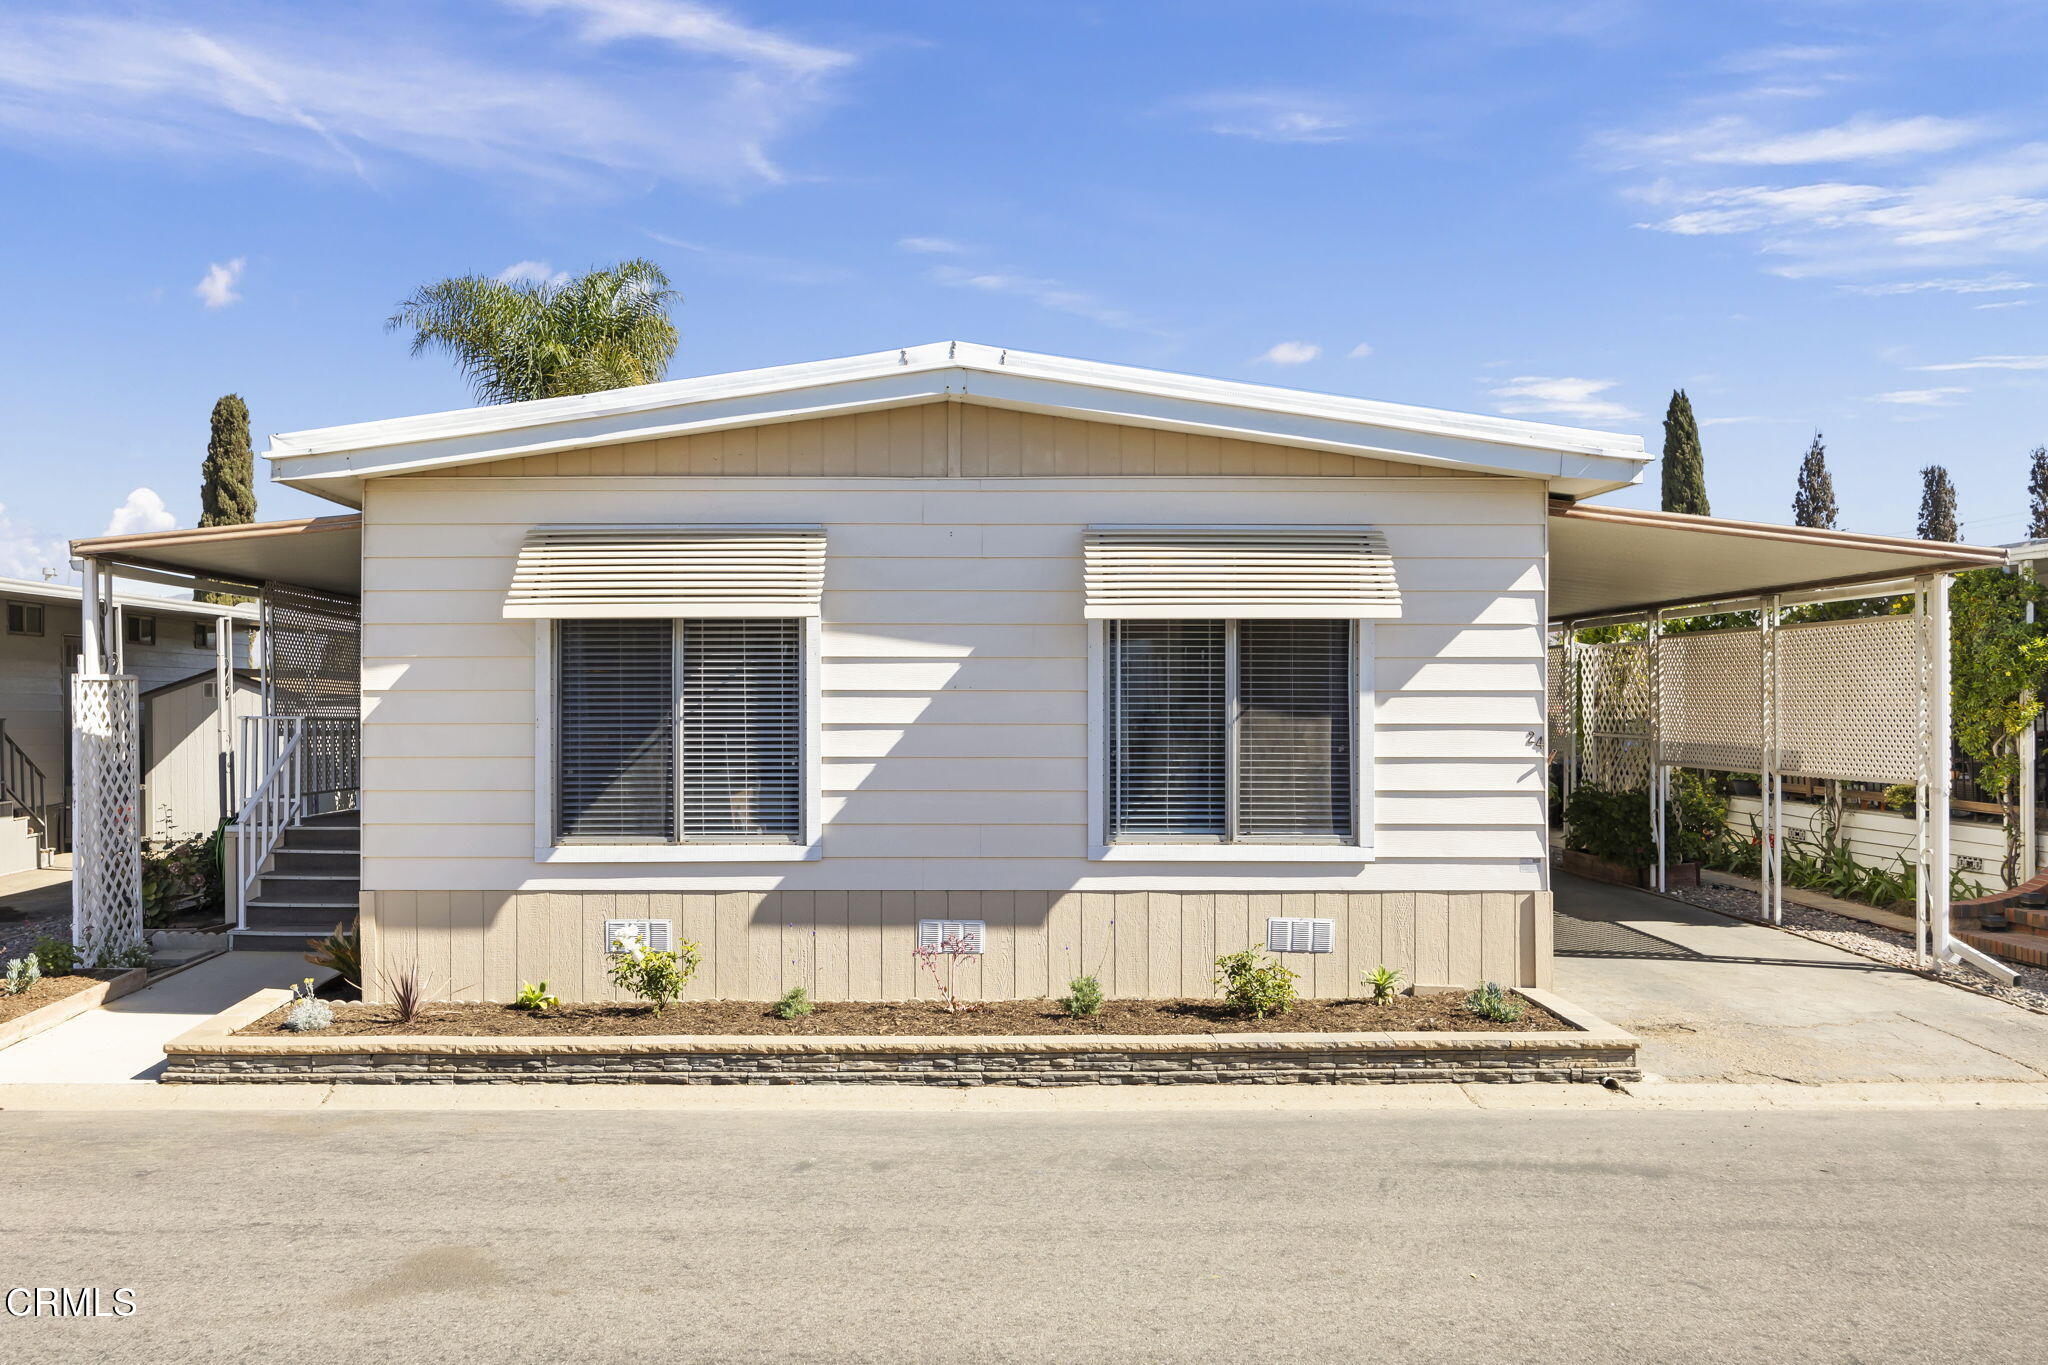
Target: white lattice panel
1557, 710
1849, 699
1615, 682
106, 898
1710, 700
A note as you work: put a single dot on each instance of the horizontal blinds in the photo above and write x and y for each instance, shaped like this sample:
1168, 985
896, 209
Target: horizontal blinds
572, 572
741, 755
1239, 572
1166, 755
1294, 742
615, 709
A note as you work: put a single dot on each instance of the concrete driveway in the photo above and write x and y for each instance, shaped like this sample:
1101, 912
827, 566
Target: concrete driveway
1715, 999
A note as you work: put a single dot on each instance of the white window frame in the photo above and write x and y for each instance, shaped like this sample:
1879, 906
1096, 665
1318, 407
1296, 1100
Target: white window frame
1101, 849
546, 850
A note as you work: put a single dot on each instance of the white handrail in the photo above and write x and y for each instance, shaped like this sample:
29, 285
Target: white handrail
273, 807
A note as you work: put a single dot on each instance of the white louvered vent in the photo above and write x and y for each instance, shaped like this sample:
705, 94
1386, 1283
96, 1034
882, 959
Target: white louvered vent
1241, 572
1301, 935
657, 935
567, 572
971, 934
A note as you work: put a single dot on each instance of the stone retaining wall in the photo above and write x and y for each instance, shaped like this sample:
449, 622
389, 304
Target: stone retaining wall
213, 1054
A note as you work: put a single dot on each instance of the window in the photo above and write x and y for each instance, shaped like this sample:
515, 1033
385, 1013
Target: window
140, 630
24, 618
202, 635
688, 732
1232, 732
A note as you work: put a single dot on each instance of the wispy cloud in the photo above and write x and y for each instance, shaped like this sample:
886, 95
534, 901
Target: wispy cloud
2009, 303
313, 86
1991, 362
758, 265
1274, 115
216, 288
535, 272
1919, 398
930, 246
1580, 399
1735, 141
142, 510
1289, 353
1989, 284
1049, 294
1360, 351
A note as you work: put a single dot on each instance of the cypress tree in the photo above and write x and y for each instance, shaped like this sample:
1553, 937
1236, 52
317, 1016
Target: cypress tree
1813, 504
227, 487
2037, 492
1937, 504
1685, 472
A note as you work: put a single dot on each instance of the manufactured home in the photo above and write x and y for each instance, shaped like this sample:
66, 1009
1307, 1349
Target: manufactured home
1096, 670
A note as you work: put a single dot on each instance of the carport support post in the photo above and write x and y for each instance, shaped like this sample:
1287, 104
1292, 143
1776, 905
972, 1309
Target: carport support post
1939, 780
1770, 784
1653, 627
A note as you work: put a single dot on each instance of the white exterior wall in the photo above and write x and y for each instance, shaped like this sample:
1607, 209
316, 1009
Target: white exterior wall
955, 674
181, 756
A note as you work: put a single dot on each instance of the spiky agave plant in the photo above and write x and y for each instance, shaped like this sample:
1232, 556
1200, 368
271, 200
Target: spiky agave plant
519, 339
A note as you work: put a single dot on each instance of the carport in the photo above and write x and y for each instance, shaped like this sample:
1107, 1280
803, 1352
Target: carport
1861, 699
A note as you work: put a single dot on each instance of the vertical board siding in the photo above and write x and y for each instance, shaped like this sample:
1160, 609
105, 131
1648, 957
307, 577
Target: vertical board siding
858, 945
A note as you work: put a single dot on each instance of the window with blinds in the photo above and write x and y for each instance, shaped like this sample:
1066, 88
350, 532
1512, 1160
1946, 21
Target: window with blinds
685, 731
1232, 731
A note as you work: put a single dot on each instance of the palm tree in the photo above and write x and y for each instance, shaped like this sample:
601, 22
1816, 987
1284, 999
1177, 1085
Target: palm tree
519, 339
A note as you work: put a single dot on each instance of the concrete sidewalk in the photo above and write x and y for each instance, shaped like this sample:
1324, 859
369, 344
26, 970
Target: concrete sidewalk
124, 1041
1715, 999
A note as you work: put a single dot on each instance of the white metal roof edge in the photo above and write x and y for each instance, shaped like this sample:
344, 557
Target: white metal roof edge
1589, 460
19, 588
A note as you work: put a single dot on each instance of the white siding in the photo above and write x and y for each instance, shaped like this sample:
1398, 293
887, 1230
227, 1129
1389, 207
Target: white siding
954, 677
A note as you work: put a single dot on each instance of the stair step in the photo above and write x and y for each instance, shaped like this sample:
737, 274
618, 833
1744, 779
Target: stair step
277, 940
2033, 919
2019, 945
333, 819
316, 861
318, 920
338, 837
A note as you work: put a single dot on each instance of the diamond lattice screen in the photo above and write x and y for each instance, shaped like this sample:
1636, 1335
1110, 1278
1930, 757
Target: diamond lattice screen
1710, 700
1849, 699
1615, 683
106, 901
313, 663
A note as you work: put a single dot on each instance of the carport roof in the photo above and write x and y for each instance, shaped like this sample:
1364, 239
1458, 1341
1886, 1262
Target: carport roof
313, 552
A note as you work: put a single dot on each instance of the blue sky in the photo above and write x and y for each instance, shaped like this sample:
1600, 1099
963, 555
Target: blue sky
1810, 213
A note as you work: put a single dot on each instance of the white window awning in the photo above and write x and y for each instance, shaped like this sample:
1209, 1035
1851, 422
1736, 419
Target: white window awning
1136, 573
582, 572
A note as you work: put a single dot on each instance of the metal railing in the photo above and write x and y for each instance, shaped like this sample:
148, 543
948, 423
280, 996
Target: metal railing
23, 784
271, 761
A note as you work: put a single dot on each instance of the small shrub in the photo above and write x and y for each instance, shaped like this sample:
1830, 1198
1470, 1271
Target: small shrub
23, 973
794, 1004
535, 998
57, 955
1083, 999
408, 992
341, 952
1254, 985
1382, 979
1492, 1003
136, 954
307, 1011
942, 960
656, 975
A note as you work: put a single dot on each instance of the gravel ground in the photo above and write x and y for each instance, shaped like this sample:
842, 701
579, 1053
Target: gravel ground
1867, 940
17, 936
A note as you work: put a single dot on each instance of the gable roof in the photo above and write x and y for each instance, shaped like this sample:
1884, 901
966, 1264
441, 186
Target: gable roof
333, 461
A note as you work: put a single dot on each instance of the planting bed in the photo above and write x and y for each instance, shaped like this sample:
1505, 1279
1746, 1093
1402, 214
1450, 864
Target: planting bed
920, 1018
55, 999
48, 991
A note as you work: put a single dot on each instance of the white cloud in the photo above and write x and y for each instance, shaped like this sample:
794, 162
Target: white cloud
1989, 284
2009, 303
1289, 353
930, 246
1992, 362
315, 86
1859, 139
1275, 115
1050, 294
775, 269
25, 552
216, 289
1526, 395
534, 272
1361, 350
1919, 398
143, 510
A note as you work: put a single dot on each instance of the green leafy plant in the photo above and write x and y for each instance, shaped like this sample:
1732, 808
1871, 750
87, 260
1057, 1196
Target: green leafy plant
794, 1004
135, 954
1614, 825
1997, 659
1083, 999
1254, 985
656, 975
1382, 979
535, 998
23, 973
58, 955
177, 874
341, 952
1491, 1003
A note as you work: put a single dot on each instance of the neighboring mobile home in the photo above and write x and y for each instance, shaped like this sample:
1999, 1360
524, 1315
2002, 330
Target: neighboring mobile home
1104, 670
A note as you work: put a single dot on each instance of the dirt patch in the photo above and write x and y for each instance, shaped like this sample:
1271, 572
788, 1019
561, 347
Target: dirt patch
1404, 1014
48, 991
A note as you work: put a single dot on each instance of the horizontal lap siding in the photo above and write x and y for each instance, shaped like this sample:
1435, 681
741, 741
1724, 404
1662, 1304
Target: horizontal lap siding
856, 944
955, 681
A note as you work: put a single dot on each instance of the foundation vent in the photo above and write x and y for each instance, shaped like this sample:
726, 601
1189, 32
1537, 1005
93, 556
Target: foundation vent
1301, 935
971, 934
655, 934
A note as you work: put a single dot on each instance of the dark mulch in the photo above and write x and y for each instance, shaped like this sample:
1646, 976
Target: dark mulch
1404, 1014
48, 991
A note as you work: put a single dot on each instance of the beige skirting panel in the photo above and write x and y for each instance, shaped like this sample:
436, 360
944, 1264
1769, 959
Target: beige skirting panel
857, 945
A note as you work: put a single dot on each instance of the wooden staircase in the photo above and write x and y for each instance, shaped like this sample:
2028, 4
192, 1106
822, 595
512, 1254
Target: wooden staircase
312, 885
